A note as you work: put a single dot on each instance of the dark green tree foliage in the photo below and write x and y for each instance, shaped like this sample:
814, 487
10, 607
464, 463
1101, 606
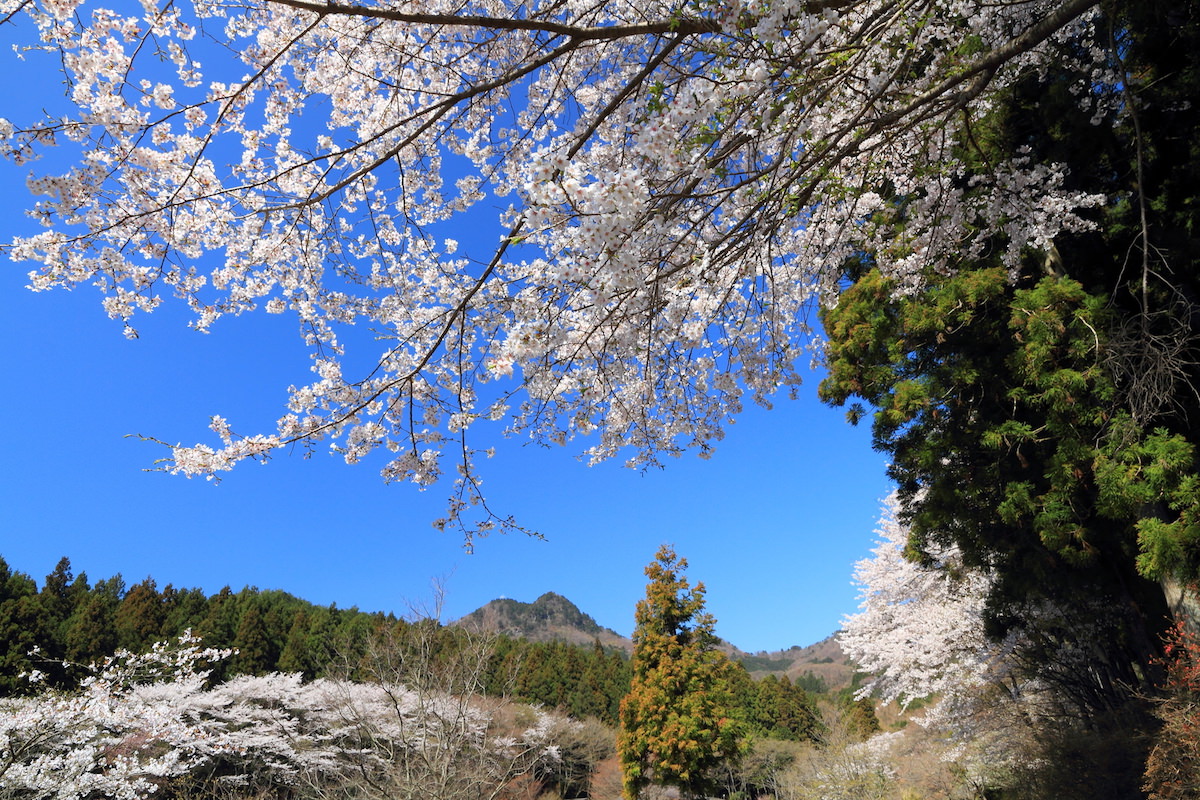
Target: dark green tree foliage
140, 618
1044, 421
91, 631
184, 608
603, 681
21, 628
59, 594
56, 600
264, 624
784, 711
772, 707
858, 715
679, 723
68, 620
295, 656
321, 639
220, 622
578, 680
254, 656
811, 683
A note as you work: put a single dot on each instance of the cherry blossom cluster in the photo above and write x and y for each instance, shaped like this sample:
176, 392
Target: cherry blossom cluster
107, 739
919, 630
139, 721
920, 634
683, 182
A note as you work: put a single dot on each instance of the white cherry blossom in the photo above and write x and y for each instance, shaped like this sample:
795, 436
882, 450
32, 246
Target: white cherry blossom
679, 183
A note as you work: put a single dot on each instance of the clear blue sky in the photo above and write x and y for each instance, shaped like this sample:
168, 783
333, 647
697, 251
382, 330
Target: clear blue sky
772, 524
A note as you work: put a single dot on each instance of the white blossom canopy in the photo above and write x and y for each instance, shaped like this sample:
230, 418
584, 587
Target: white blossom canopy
138, 721
678, 183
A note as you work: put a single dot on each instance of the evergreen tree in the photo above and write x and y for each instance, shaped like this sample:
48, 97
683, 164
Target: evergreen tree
91, 632
783, 711
589, 696
220, 623
21, 628
295, 657
254, 654
321, 642
140, 617
1041, 415
618, 677
185, 609
677, 723
858, 715
58, 597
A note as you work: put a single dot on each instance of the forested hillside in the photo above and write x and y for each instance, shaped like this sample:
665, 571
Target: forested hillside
72, 619
69, 620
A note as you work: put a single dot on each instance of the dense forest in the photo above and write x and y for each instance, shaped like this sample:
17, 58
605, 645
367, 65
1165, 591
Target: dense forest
69, 622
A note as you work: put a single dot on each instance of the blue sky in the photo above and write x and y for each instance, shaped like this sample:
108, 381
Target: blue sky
772, 524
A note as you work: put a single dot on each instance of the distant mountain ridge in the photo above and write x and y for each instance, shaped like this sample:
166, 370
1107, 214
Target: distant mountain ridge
554, 618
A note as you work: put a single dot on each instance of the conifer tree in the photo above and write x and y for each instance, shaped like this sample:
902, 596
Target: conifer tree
677, 723
185, 609
220, 622
140, 617
295, 656
254, 656
56, 596
91, 632
20, 628
321, 640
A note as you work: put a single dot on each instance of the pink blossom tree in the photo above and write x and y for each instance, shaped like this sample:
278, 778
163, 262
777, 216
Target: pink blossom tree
678, 184
920, 628
920, 634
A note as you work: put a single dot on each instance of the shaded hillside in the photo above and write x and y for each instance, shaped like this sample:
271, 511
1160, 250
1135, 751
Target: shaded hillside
550, 618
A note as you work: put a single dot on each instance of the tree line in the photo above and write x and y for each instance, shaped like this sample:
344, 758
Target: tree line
69, 621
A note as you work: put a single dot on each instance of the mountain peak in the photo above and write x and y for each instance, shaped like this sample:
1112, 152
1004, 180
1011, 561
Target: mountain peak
551, 617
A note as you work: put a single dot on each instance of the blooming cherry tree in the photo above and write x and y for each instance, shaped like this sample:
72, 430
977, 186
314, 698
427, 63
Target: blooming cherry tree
678, 180
110, 738
920, 628
921, 634
140, 721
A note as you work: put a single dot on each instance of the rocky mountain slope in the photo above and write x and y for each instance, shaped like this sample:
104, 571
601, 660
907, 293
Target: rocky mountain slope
551, 617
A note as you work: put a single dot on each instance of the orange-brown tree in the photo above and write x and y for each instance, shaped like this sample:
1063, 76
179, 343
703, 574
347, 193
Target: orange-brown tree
677, 722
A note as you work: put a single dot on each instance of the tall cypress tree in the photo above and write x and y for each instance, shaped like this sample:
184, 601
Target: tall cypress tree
677, 723
91, 632
141, 616
295, 656
184, 608
254, 656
